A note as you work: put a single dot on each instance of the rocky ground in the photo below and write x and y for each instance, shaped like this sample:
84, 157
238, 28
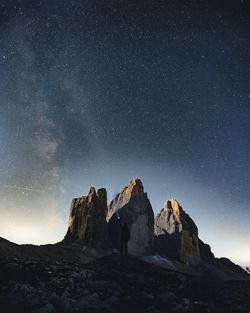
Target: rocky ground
113, 284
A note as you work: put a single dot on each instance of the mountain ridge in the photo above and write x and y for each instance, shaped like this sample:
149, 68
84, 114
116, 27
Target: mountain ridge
94, 227
168, 266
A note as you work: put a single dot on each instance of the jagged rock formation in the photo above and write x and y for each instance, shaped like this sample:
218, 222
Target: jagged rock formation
53, 278
87, 220
132, 206
176, 234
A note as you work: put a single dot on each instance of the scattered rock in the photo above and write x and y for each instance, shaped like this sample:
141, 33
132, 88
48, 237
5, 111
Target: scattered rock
118, 284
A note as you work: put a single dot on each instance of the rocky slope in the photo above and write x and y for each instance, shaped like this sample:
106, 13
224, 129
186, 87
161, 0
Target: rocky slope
132, 206
60, 252
114, 284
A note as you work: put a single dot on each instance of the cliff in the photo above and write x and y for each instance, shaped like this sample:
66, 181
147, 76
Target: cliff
132, 206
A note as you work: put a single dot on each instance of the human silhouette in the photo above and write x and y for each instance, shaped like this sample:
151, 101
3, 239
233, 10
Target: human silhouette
125, 236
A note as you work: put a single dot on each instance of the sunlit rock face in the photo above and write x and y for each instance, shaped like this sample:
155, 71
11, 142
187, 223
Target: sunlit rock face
132, 206
176, 234
87, 220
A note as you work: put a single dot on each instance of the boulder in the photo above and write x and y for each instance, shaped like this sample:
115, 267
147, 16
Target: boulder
132, 206
87, 220
176, 234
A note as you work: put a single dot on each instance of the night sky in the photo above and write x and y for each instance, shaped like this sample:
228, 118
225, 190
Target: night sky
94, 93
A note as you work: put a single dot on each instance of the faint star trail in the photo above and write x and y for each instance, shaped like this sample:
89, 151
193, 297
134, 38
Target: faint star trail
22, 188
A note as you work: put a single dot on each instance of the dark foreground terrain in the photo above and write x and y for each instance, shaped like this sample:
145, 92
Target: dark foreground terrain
113, 284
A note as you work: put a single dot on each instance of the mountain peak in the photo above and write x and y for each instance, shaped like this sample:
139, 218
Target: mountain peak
134, 184
176, 233
172, 205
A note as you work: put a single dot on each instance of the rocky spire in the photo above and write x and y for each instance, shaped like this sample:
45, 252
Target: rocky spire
176, 234
87, 219
132, 206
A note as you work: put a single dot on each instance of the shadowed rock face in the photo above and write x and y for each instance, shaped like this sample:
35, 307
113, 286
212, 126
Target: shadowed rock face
205, 252
87, 220
176, 234
132, 206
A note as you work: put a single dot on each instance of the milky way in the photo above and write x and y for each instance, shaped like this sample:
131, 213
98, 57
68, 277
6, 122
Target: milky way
93, 93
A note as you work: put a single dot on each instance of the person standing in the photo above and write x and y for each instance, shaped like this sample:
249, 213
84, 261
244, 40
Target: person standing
125, 236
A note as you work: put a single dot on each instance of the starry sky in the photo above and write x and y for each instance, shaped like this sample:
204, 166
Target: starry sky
94, 93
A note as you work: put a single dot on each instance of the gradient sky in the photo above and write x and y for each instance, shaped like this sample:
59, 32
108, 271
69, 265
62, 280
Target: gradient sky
94, 93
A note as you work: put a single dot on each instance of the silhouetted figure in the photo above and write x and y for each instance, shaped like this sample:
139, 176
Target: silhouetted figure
125, 236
